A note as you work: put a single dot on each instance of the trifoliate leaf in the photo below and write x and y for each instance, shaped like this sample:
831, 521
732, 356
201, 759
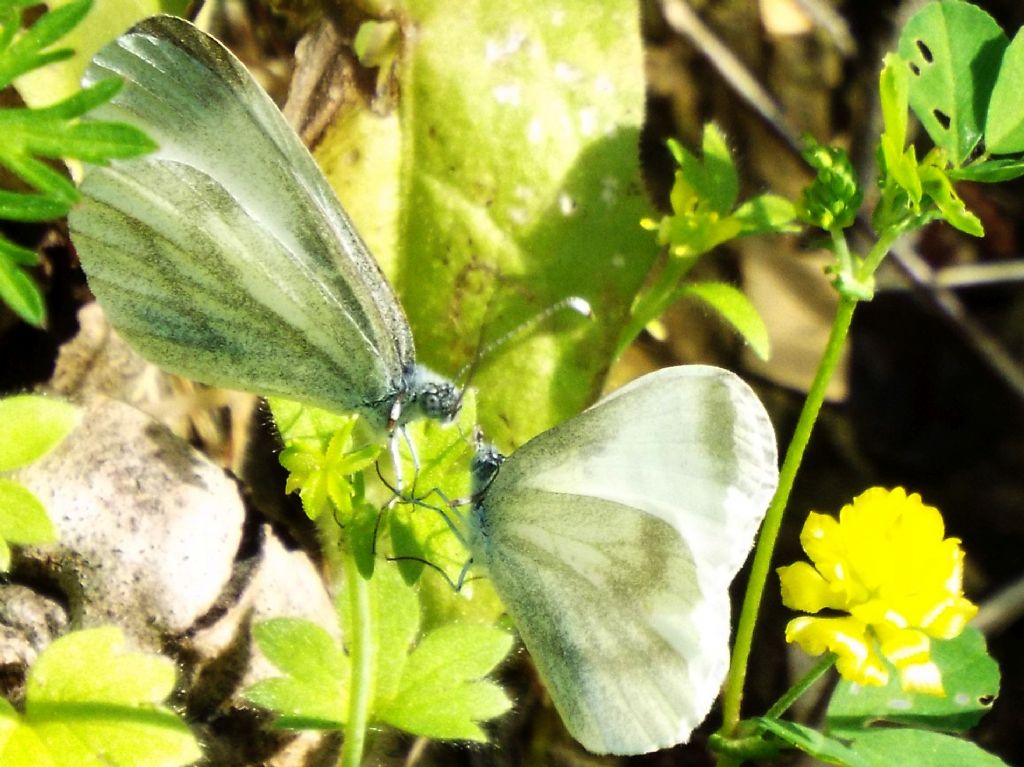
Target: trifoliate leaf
713, 177
314, 692
953, 50
31, 426
93, 703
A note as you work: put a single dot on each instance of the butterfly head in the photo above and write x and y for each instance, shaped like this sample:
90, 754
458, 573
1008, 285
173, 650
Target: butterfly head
427, 395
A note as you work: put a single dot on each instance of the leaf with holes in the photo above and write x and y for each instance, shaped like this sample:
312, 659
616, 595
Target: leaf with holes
954, 50
1004, 126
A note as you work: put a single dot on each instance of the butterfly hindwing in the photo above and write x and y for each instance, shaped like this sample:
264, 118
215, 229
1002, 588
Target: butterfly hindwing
612, 540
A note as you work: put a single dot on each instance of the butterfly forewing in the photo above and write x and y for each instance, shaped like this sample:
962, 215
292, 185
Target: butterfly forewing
308, 267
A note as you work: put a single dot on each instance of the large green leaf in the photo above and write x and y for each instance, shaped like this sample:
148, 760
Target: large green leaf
518, 180
954, 51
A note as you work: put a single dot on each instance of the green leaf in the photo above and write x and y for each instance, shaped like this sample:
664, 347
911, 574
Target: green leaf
19, 744
27, 51
434, 690
1004, 125
970, 677
35, 172
713, 177
447, 665
106, 20
93, 702
17, 254
954, 50
46, 134
766, 213
31, 426
396, 613
17, 289
314, 692
518, 178
919, 748
19, 206
23, 518
989, 172
894, 95
736, 309
936, 184
827, 749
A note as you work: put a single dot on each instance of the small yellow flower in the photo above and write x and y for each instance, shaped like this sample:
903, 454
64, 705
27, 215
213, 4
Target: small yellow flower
886, 563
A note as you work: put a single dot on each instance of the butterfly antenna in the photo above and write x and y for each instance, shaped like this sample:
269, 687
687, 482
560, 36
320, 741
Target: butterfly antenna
576, 303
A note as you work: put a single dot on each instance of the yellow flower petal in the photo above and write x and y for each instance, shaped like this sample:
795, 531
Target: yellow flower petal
822, 541
950, 618
805, 590
847, 638
886, 562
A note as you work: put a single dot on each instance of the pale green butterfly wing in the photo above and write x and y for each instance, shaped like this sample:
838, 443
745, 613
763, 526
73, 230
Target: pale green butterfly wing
225, 256
612, 540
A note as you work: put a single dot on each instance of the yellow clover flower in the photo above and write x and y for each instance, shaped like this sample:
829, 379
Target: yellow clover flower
885, 563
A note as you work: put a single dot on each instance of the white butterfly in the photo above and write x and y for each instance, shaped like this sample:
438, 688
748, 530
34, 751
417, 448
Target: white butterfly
225, 256
612, 540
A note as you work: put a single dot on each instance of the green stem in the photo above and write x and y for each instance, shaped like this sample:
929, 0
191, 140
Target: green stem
361, 653
878, 251
773, 520
653, 303
782, 705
